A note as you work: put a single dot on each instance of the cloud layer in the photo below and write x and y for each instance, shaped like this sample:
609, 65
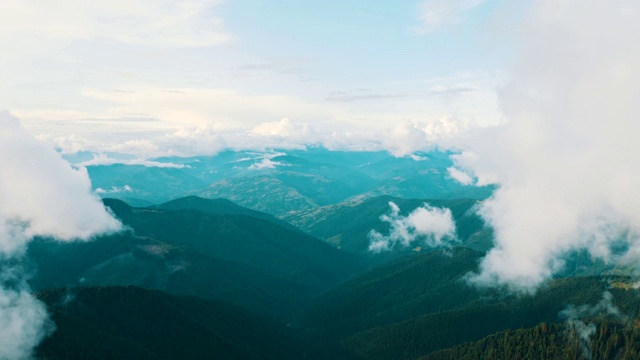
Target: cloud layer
566, 159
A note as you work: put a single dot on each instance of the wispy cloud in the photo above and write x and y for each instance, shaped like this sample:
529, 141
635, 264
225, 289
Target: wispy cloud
187, 23
437, 14
353, 97
576, 318
102, 159
366, 95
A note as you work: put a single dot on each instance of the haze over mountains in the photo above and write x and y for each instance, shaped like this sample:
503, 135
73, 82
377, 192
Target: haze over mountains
279, 182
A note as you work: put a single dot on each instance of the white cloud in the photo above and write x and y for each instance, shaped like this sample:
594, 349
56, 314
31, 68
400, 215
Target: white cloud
114, 190
185, 23
433, 226
436, 14
566, 158
24, 323
460, 176
266, 162
102, 159
40, 195
285, 128
43, 192
406, 138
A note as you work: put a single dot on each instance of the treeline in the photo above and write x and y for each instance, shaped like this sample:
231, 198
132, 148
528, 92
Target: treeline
560, 341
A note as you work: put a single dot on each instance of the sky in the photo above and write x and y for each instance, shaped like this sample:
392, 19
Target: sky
148, 77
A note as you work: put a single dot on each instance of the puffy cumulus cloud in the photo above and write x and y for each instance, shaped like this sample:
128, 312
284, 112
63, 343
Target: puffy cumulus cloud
40, 195
436, 14
408, 136
566, 157
186, 141
285, 133
186, 23
433, 226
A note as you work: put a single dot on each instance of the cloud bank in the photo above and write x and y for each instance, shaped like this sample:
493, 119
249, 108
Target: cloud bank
40, 195
566, 160
432, 226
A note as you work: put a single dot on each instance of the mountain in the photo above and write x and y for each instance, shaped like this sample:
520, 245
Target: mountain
407, 287
288, 183
247, 261
422, 176
611, 340
240, 238
347, 225
220, 207
279, 193
280, 181
144, 183
134, 323
420, 303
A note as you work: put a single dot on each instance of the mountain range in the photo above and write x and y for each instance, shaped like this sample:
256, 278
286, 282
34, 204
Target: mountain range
249, 255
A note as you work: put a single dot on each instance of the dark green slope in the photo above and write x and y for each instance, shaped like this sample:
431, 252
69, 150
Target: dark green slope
402, 289
246, 261
611, 341
347, 225
220, 207
421, 303
428, 333
243, 239
130, 260
133, 323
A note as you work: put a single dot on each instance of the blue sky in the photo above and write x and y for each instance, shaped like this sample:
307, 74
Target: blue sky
93, 75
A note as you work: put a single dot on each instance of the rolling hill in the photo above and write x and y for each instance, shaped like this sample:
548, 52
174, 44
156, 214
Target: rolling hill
220, 207
244, 260
134, 323
421, 303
